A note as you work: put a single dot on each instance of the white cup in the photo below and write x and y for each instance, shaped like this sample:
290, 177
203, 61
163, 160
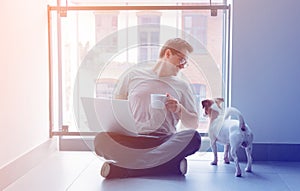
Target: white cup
158, 101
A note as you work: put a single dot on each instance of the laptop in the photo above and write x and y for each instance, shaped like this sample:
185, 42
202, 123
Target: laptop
109, 115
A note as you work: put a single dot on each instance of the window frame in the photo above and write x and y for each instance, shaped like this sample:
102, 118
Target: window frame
63, 130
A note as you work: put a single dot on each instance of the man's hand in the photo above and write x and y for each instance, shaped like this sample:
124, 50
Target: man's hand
172, 104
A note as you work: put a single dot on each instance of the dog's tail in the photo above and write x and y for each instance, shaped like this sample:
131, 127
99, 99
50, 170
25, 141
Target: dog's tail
235, 112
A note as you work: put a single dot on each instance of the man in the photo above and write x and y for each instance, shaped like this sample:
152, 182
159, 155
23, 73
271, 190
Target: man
158, 149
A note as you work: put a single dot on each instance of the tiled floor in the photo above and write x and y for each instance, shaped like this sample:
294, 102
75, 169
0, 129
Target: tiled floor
80, 171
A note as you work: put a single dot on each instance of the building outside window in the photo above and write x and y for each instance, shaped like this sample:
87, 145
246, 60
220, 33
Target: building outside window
106, 23
148, 34
195, 24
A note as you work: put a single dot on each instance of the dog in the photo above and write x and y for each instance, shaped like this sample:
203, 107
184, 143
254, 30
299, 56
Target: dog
231, 132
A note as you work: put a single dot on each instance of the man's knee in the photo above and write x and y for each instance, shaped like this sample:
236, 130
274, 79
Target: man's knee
196, 140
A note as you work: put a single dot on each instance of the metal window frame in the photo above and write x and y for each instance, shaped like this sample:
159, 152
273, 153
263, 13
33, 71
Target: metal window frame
62, 12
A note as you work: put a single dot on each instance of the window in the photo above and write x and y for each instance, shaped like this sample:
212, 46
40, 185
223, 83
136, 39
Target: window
105, 24
91, 47
148, 34
195, 24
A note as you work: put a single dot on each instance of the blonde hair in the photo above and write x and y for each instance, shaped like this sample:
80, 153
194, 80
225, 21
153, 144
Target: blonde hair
175, 45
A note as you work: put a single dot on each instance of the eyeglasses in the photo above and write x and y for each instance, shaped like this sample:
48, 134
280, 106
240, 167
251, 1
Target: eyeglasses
182, 61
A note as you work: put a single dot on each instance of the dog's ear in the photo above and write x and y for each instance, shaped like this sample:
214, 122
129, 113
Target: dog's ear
219, 101
206, 103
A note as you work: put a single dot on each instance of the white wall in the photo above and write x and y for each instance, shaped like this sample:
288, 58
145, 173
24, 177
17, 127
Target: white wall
24, 120
266, 67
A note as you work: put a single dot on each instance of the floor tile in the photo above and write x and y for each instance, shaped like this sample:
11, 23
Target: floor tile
291, 180
55, 173
77, 171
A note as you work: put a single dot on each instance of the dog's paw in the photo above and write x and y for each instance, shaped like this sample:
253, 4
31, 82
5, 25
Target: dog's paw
248, 169
238, 174
214, 163
226, 161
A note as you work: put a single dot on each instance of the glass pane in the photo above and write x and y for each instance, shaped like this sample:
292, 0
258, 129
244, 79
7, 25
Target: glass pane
98, 46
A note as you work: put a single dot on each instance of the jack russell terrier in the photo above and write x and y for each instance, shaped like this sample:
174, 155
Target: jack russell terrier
232, 133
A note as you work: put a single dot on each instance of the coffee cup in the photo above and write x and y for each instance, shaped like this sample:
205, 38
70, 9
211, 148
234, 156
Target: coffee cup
158, 101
